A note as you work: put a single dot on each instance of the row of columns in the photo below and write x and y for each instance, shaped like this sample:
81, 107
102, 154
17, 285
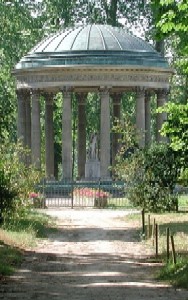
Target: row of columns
30, 133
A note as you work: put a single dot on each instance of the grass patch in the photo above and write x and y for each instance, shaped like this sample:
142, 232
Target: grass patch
21, 233
10, 258
119, 203
32, 222
177, 274
183, 202
178, 225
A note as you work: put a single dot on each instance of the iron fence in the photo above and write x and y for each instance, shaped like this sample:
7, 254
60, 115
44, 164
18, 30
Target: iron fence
92, 193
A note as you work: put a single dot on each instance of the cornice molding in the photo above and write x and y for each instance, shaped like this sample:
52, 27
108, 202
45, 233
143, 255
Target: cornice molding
122, 78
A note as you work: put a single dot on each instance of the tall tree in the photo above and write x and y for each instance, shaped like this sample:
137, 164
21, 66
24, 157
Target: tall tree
20, 28
173, 23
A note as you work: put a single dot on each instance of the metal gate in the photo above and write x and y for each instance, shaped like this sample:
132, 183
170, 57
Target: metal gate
95, 193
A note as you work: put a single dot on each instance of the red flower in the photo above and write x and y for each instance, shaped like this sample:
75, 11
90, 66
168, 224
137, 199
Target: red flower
33, 195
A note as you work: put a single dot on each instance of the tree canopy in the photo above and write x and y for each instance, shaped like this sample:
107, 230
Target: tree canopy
25, 22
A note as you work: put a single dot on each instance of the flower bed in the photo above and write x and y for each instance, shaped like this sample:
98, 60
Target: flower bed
37, 200
91, 196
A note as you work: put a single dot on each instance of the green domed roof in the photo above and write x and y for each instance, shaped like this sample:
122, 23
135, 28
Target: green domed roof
92, 45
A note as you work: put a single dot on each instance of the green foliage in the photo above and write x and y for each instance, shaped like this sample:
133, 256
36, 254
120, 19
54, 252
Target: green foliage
7, 193
150, 173
150, 179
176, 129
10, 258
57, 121
176, 274
21, 27
30, 222
173, 23
17, 179
21, 232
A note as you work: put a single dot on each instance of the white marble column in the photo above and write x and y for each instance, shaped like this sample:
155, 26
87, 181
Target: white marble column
140, 116
49, 135
35, 130
116, 98
81, 98
67, 136
161, 117
148, 118
105, 134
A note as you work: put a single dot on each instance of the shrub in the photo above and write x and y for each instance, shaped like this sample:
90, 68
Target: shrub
16, 179
151, 175
7, 194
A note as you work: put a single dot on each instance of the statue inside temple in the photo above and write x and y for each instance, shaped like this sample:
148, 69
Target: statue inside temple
93, 147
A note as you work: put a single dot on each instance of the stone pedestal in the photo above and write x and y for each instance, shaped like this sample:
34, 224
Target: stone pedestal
92, 169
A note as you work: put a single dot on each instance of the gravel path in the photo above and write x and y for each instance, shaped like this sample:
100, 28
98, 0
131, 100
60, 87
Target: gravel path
94, 255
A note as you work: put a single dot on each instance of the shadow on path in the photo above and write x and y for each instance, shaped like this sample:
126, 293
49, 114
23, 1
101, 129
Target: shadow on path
87, 263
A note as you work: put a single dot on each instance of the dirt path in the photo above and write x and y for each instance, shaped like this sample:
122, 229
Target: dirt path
93, 256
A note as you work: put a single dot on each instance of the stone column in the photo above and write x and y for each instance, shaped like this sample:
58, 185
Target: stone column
21, 117
67, 136
161, 117
116, 97
81, 97
28, 125
49, 135
28, 120
148, 118
105, 134
36, 129
140, 116
24, 122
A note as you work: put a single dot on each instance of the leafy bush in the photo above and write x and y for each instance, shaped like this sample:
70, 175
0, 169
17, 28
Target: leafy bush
16, 179
7, 193
177, 273
151, 175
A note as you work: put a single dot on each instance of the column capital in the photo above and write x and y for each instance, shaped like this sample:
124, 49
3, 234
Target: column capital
140, 90
104, 91
48, 95
162, 93
36, 93
23, 93
116, 97
67, 90
81, 97
148, 94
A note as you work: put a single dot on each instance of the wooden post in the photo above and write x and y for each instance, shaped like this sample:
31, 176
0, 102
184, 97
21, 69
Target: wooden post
168, 243
153, 232
143, 222
156, 240
173, 249
148, 227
